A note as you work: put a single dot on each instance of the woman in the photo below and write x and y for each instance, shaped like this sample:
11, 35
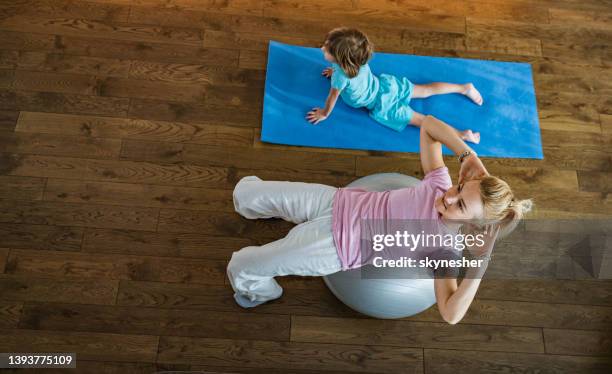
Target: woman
326, 238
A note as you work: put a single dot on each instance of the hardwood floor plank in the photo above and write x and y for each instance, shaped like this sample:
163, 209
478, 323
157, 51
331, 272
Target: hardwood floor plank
595, 292
595, 181
192, 245
527, 314
253, 59
60, 264
336, 180
60, 83
606, 123
7, 78
504, 45
295, 301
117, 171
255, 353
138, 195
124, 128
416, 334
270, 159
68, 8
487, 10
88, 215
448, 361
87, 346
173, 111
4, 253
365, 14
230, 6
578, 342
70, 64
227, 156
8, 120
106, 367
21, 188
42, 237
60, 145
151, 51
10, 311
221, 224
151, 321
580, 18
97, 292
247, 41
26, 41
62, 103
197, 73
104, 29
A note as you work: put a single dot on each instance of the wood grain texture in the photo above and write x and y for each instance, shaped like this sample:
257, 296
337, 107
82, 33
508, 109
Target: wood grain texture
21, 188
101, 266
53, 213
291, 355
126, 124
98, 292
150, 321
447, 361
4, 253
87, 346
588, 343
192, 245
419, 334
47, 237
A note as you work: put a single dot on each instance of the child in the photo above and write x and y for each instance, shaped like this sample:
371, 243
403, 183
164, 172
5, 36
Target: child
386, 97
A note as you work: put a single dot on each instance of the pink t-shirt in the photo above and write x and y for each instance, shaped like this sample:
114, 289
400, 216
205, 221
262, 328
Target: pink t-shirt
354, 204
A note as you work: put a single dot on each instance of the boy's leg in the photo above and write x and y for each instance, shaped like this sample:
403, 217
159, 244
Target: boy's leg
295, 202
466, 135
422, 91
307, 250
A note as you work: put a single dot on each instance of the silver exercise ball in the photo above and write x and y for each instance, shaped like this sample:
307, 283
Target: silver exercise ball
381, 292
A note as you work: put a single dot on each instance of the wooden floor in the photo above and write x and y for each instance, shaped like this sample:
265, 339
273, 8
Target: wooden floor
125, 124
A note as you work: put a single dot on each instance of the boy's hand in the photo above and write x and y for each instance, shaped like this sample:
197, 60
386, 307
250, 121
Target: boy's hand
327, 72
316, 115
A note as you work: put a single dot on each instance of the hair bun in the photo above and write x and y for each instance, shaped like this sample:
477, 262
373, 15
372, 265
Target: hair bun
525, 205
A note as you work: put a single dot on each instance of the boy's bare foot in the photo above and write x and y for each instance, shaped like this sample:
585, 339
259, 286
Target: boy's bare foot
470, 136
473, 94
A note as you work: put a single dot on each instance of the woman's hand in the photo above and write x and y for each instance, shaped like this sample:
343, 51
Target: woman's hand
471, 168
327, 72
316, 115
489, 235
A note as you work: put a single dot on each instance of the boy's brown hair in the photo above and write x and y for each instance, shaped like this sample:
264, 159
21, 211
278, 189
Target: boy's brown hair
350, 48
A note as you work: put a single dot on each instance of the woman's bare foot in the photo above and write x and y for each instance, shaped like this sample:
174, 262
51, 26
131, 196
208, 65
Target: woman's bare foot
470, 136
473, 94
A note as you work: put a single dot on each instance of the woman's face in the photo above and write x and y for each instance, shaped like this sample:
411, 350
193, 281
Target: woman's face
461, 202
326, 55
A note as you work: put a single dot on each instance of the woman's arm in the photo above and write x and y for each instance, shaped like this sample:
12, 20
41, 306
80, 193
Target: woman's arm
454, 301
434, 133
317, 115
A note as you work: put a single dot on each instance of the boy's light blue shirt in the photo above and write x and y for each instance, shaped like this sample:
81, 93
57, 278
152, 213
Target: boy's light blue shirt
359, 91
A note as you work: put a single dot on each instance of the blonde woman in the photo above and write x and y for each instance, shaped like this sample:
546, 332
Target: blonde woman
326, 238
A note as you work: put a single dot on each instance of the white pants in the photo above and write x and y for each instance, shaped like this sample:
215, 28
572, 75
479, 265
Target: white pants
307, 250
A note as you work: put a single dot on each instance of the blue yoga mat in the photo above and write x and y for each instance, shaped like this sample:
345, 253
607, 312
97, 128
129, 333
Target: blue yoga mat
508, 120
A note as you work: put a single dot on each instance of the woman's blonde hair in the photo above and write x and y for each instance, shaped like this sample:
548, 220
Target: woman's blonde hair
350, 48
500, 204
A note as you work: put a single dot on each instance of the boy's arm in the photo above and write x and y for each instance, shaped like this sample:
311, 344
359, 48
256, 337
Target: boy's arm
317, 115
330, 103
